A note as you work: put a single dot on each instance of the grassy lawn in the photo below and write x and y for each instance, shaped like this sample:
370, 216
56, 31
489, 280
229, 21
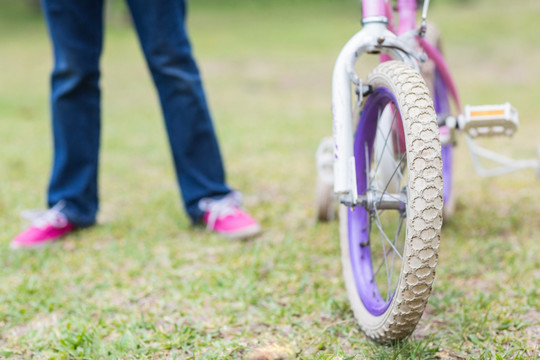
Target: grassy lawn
145, 284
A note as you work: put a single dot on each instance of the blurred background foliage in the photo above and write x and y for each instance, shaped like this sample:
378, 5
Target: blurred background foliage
116, 8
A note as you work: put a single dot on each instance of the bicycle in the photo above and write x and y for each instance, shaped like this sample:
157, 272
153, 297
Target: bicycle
393, 175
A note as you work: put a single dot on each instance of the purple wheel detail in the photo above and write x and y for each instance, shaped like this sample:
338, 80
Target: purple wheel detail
442, 107
359, 219
446, 155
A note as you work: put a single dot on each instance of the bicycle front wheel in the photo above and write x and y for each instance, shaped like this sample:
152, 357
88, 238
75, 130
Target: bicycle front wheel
390, 242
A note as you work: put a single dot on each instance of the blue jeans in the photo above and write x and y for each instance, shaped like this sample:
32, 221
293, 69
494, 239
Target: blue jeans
76, 32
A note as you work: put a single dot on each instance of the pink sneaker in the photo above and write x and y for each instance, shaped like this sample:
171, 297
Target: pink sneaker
226, 218
47, 227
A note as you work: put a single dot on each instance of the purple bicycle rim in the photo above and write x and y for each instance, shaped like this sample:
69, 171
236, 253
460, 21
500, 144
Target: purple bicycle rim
442, 107
358, 218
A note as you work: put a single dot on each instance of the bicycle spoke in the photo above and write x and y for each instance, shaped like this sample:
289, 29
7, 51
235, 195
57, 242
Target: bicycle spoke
385, 140
380, 265
389, 181
388, 150
382, 236
393, 246
398, 231
379, 225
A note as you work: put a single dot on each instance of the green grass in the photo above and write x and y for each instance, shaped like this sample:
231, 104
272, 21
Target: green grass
145, 284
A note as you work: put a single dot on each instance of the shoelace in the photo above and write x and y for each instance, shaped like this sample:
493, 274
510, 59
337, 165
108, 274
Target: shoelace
52, 216
220, 208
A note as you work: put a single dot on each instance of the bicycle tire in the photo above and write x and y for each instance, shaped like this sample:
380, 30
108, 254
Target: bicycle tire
394, 318
441, 102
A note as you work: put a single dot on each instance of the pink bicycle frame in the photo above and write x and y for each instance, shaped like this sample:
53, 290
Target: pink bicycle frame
375, 8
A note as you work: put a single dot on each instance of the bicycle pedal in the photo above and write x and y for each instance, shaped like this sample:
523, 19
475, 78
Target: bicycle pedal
489, 120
